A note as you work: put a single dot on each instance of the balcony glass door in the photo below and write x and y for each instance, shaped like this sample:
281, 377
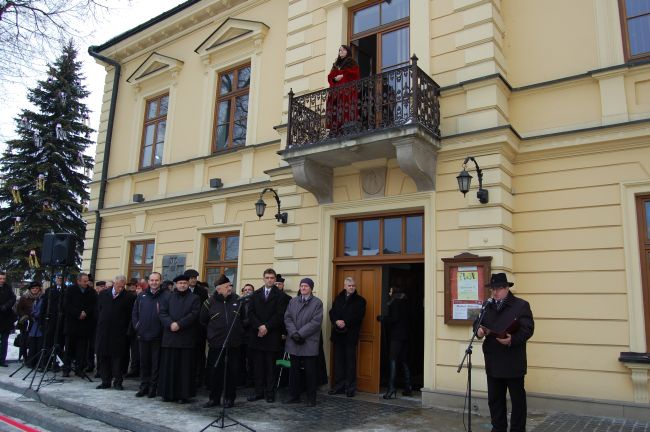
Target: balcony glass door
379, 35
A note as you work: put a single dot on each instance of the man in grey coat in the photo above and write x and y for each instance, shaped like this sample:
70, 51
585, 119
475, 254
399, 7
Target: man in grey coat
303, 319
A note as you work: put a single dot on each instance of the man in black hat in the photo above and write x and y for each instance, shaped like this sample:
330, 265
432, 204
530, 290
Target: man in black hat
218, 313
197, 288
179, 314
507, 325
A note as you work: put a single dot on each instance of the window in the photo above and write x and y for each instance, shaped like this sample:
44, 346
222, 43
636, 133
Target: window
398, 235
141, 259
379, 35
153, 133
643, 218
232, 108
635, 24
221, 252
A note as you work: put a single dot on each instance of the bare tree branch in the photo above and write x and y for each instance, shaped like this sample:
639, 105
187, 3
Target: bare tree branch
31, 31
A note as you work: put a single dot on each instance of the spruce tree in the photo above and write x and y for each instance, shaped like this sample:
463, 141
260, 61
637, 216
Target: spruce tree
44, 171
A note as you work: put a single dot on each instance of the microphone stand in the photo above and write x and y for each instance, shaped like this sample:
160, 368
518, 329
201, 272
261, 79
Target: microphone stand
220, 420
468, 356
45, 330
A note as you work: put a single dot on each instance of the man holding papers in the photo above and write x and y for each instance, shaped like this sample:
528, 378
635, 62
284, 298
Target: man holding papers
507, 326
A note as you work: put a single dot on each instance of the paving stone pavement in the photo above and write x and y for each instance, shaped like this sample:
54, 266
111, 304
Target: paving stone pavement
122, 410
574, 423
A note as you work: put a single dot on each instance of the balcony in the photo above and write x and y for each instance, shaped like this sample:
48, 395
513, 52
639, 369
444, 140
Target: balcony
395, 114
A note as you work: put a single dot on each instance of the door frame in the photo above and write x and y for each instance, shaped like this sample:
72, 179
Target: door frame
364, 383
329, 213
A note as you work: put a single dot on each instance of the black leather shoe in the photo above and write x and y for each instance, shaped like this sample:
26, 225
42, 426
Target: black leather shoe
211, 403
152, 393
183, 401
292, 400
103, 386
142, 392
336, 391
349, 393
254, 397
118, 386
229, 403
270, 398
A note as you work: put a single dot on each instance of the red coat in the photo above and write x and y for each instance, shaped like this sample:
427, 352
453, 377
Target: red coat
342, 103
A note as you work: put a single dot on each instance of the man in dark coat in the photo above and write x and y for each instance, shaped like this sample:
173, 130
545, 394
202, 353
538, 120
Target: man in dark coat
396, 324
145, 320
265, 335
79, 305
346, 315
7, 316
197, 288
504, 350
218, 314
179, 313
52, 320
114, 308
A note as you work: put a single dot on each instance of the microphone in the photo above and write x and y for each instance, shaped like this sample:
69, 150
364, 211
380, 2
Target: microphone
487, 302
246, 298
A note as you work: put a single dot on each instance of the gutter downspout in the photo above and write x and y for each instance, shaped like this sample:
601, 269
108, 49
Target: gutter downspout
107, 152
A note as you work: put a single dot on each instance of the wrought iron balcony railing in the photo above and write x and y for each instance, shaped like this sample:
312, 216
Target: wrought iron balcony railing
395, 98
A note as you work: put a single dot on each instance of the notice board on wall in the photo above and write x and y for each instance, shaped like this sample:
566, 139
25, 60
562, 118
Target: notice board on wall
465, 278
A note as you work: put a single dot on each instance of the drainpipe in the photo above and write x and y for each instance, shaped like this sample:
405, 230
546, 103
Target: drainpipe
107, 152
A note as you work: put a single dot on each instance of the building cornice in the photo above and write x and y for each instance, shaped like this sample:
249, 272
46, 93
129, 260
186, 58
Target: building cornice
171, 25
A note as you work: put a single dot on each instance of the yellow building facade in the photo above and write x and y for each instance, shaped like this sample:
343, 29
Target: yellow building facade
551, 98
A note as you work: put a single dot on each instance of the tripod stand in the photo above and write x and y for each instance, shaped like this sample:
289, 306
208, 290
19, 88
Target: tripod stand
219, 422
42, 353
54, 350
26, 360
468, 356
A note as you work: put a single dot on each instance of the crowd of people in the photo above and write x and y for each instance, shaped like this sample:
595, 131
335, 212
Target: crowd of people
160, 332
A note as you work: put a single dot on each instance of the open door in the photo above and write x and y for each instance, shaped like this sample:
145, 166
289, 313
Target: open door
368, 280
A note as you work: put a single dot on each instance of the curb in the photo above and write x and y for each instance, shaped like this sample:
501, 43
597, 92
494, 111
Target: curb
110, 418
36, 418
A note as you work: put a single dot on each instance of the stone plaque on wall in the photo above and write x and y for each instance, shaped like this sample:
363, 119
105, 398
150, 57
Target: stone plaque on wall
172, 266
373, 182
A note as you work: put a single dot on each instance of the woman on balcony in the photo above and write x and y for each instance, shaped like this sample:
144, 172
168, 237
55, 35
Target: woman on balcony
342, 109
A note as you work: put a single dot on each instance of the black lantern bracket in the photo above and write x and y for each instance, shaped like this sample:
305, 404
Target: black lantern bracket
465, 179
260, 206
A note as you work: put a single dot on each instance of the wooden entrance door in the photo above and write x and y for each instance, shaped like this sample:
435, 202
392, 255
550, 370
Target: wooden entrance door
368, 280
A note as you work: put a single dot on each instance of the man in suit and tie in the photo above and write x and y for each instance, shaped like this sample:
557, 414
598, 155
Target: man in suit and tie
266, 311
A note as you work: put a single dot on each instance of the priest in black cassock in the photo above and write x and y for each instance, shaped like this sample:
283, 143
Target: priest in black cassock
179, 313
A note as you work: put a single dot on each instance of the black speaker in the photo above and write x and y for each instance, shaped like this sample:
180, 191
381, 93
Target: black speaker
58, 249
